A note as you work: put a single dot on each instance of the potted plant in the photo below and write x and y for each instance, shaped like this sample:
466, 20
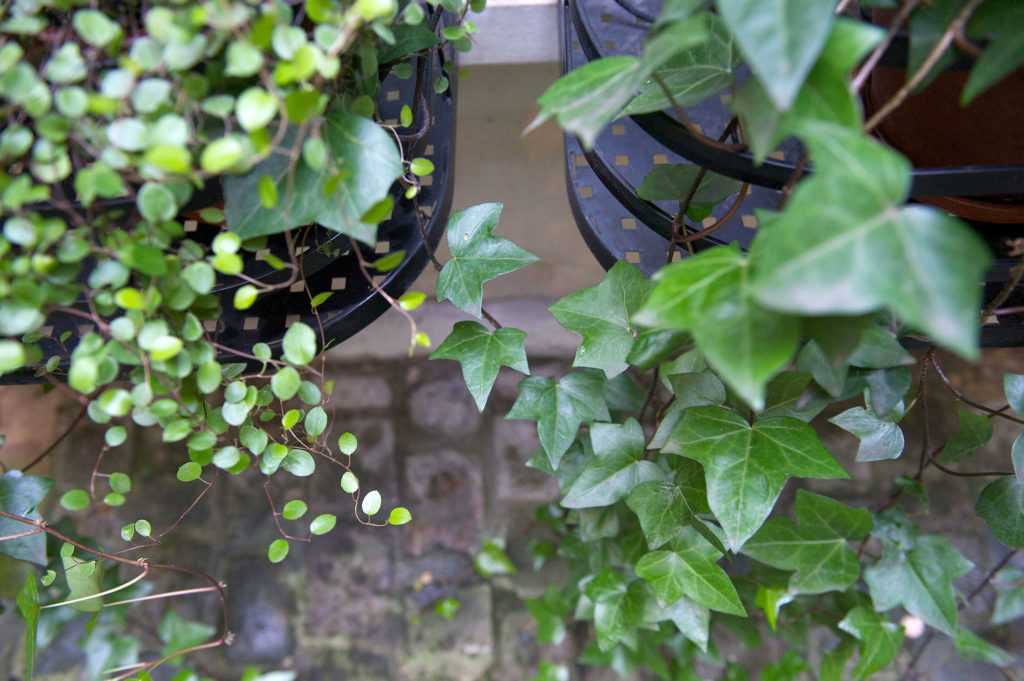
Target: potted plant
182, 187
695, 396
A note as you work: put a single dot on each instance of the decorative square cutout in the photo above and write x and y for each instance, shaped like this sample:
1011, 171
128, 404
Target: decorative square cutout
579, 160
628, 223
381, 247
251, 323
291, 319
777, 155
749, 221
618, 129
427, 181
660, 159
191, 225
708, 221
633, 256
586, 192
297, 287
392, 95
429, 151
338, 283
621, 160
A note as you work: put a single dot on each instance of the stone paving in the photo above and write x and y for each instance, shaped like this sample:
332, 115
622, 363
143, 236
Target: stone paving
359, 604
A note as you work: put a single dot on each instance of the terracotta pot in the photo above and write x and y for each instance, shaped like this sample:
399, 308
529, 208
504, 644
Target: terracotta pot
932, 129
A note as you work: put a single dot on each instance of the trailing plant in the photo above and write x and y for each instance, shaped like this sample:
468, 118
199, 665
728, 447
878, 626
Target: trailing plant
696, 396
156, 155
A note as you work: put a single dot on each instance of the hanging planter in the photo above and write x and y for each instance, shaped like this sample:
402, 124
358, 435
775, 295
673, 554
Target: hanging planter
621, 217
346, 287
606, 183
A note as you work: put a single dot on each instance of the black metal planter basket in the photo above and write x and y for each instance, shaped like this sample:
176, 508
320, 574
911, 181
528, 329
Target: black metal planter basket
326, 258
618, 225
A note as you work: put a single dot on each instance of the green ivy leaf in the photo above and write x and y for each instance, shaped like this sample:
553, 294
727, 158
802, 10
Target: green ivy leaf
1005, 51
974, 432
690, 569
880, 439
21, 495
662, 511
1001, 506
28, 606
970, 646
84, 579
920, 578
711, 296
1009, 585
1013, 386
780, 39
601, 316
747, 466
828, 255
482, 354
694, 74
618, 610
815, 546
673, 182
587, 98
477, 257
559, 408
177, 633
614, 469
362, 149
492, 560
824, 97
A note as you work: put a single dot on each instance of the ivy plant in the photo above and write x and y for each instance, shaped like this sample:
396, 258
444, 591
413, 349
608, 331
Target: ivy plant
696, 398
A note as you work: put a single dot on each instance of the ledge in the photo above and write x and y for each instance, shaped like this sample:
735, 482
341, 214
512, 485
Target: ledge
515, 32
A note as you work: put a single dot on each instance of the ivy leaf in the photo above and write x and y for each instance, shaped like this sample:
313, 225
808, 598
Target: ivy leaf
791, 393
673, 182
828, 255
747, 466
84, 578
880, 439
618, 609
1013, 386
879, 640
600, 315
1004, 53
1001, 506
614, 469
833, 663
692, 620
693, 75
477, 257
363, 153
1009, 585
482, 354
920, 578
815, 546
661, 509
780, 39
711, 296
21, 494
28, 606
177, 633
690, 571
588, 98
970, 646
974, 432
560, 407
825, 96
